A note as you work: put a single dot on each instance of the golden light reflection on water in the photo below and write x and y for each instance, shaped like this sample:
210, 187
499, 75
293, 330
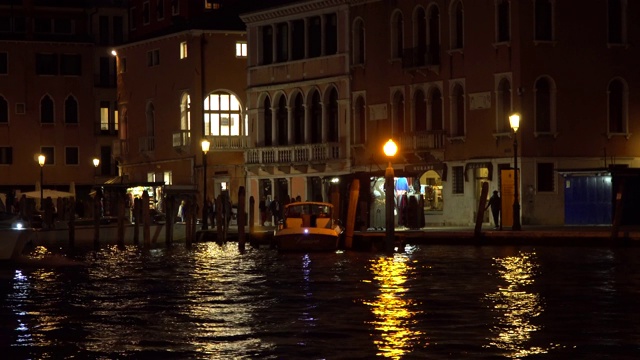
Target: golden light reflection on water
515, 307
393, 311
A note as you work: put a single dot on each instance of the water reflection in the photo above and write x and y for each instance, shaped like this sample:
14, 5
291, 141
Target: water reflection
394, 312
515, 307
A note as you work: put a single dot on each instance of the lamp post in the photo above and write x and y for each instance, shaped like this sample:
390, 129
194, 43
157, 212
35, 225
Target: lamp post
390, 148
205, 149
514, 121
41, 160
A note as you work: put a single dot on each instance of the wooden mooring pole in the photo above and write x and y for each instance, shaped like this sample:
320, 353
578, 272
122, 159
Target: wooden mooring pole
241, 218
351, 213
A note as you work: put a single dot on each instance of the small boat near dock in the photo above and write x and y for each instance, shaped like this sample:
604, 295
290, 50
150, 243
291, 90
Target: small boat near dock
308, 226
14, 236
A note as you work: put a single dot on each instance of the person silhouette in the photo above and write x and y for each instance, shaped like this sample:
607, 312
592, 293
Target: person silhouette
495, 203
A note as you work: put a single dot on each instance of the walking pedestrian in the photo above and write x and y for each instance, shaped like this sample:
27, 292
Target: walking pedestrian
495, 203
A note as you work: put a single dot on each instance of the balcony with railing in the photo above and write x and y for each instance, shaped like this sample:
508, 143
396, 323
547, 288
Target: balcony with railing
181, 139
229, 143
420, 57
296, 154
422, 141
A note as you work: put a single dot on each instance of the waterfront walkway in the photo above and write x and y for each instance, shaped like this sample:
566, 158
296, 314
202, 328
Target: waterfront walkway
529, 235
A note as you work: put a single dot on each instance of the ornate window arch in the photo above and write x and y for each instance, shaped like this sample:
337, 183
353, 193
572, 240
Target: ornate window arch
223, 115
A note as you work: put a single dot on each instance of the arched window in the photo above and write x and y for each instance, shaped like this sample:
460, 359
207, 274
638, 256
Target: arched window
358, 42
185, 112
434, 107
544, 20
398, 113
397, 35
433, 46
543, 106
360, 123
70, 110
617, 107
316, 118
282, 125
457, 111
282, 42
420, 111
420, 36
46, 110
616, 11
457, 25
4, 110
222, 115
267, 123
332, 116
502, 27
503, 106
298, 120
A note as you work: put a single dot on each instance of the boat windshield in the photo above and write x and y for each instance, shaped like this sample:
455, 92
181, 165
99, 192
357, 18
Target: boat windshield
297, 210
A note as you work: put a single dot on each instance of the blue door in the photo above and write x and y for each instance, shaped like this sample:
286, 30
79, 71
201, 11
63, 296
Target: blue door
587, 200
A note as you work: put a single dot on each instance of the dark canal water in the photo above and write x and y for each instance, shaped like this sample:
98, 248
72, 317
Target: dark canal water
432, 302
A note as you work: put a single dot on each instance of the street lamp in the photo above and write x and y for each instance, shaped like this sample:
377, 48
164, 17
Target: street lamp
41, 159
205, 149
514, 121
390, 149
96, 162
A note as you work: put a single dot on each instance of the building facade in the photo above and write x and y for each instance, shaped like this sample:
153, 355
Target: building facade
182, 79
57, 93
329, 82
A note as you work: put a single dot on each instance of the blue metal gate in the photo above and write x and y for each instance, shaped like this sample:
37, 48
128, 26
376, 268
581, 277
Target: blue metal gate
587, 200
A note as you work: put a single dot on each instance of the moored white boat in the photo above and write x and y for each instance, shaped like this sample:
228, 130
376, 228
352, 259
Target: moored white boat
84, 234
308, 226
14, 236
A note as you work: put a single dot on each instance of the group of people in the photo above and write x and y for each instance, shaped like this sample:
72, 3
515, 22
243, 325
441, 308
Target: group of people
269, 209
210, 211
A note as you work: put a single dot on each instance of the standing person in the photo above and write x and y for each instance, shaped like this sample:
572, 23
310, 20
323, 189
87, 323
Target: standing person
275, 210
495, 203
263, 210
181, 211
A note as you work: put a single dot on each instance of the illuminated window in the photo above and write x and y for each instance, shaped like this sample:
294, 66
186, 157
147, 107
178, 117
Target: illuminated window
222, 114
151, 177
183, 50
104, 116
241, 49
211, 5
116, 118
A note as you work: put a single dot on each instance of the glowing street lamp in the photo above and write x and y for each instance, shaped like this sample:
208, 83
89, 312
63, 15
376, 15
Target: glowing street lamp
514, 121
205, 149
41, 160
390, 149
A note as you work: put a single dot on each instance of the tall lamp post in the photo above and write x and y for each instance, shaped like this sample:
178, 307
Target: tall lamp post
514, 121
205, 149
41, 160
390, 149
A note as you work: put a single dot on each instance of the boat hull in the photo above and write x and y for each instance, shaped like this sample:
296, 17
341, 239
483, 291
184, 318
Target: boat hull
13, 242
299, 240
108, 235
